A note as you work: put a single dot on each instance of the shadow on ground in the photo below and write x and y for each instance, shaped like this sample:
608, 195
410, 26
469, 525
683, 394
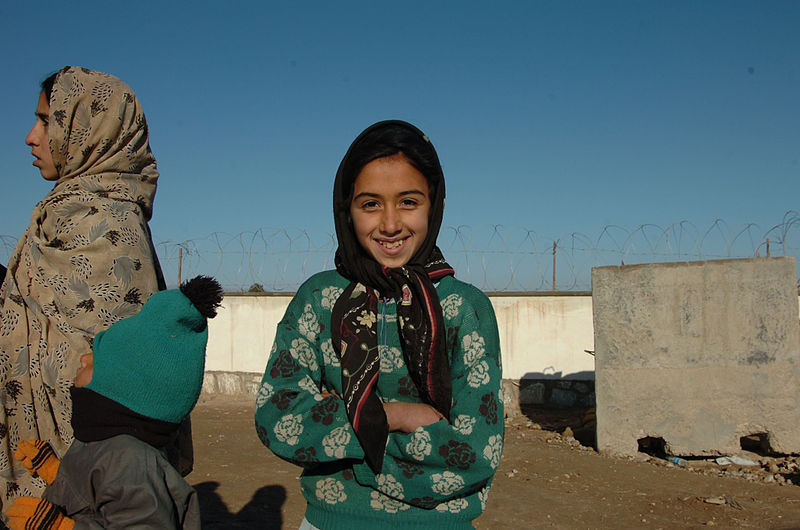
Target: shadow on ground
579, 420
263, 510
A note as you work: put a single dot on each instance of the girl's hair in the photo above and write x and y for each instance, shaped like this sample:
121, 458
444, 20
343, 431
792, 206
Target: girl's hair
47, 84
392, 138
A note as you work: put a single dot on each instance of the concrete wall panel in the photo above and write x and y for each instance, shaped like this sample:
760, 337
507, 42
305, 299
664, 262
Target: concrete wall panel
698, 354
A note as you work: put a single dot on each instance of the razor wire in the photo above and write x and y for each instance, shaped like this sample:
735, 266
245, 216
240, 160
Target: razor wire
494, 258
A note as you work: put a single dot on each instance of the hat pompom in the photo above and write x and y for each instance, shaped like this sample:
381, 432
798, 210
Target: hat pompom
153, 362
205, 293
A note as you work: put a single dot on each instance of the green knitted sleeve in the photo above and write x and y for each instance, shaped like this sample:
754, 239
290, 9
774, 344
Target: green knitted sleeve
448, 461
298, 413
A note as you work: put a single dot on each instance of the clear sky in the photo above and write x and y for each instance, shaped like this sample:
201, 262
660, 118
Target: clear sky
556, 116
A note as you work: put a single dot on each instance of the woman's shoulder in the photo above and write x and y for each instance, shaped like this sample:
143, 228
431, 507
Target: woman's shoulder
323, 279
451, 285
325, 284
451, 289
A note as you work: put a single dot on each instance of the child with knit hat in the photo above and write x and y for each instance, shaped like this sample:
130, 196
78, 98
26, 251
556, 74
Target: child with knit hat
130, 395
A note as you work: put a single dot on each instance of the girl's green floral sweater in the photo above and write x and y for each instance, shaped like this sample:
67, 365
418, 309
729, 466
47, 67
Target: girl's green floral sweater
436, 477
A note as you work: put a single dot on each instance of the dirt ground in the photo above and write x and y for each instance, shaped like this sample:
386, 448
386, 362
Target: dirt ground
546, 479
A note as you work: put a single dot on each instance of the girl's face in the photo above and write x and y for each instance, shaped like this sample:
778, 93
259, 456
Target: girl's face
39, 140
390, 206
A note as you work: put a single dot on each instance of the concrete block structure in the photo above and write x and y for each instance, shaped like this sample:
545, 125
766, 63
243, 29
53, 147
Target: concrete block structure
697, 354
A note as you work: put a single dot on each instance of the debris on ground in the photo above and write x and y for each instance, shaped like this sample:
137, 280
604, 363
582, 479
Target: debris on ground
576, 428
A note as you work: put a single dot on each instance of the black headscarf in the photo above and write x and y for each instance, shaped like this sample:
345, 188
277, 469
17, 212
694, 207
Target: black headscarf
420, 321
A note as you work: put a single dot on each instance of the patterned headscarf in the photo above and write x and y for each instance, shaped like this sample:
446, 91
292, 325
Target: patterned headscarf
85, 261
420, 321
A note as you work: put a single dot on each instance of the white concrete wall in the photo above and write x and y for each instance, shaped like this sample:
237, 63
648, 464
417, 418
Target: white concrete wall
241, 335
545, 336
540, 336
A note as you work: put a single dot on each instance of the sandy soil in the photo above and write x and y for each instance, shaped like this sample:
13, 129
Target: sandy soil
547, 479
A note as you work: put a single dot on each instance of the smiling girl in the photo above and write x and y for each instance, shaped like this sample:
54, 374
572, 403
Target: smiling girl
384, 382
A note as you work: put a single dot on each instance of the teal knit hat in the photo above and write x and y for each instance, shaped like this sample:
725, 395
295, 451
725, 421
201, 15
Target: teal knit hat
153, 362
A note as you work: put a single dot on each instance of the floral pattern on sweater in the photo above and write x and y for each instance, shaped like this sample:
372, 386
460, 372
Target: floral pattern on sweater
439, 474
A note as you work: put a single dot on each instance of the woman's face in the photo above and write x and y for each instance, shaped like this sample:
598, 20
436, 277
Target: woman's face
39, 141
390, 207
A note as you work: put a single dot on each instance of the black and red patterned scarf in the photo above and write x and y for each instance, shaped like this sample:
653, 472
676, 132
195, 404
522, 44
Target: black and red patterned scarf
420, 321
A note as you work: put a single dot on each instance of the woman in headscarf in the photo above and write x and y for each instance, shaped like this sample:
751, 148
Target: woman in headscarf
384, 382
85, 261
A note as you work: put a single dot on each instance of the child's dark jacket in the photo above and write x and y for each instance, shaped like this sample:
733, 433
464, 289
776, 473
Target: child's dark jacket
122, 482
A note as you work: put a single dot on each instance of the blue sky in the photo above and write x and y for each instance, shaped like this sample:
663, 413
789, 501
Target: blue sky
555, 116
